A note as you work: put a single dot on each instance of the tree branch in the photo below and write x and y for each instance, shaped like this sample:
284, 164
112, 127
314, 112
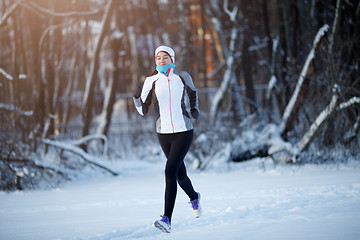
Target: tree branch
315, 126
31, 163
78, 151
348, 103
50, 13
12, 108
6, 75
9, 13
36, 8
92, 137
321, 118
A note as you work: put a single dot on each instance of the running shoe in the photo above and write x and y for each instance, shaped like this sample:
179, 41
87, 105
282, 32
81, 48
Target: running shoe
163, 224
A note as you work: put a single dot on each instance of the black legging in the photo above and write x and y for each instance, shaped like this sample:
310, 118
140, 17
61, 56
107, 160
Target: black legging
175, 147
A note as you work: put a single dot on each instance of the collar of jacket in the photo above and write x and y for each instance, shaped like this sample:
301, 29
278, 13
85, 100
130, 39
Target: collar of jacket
165, 69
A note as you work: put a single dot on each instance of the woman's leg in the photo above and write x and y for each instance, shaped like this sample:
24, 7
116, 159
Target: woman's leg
185, 182
175, 147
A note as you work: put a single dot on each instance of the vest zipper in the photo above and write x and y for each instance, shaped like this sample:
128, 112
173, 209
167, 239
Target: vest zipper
171, 120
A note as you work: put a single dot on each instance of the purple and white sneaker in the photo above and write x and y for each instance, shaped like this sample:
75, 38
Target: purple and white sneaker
195, 204
163, 224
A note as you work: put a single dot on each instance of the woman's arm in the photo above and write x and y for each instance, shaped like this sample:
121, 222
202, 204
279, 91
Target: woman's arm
191, 91
142, 97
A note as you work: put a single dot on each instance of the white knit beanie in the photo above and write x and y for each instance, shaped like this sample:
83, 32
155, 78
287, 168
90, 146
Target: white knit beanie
166, 49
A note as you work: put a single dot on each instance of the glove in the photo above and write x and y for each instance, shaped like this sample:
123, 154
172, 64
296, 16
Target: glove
195, 113
137, 92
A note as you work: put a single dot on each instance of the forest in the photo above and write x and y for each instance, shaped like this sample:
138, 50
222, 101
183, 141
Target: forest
276, 79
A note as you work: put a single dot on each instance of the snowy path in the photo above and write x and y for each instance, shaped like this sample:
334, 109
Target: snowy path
281, 203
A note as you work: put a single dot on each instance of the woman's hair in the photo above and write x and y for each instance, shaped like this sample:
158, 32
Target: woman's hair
154, 73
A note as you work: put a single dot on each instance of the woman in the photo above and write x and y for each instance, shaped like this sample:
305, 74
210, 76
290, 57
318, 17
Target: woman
167, 87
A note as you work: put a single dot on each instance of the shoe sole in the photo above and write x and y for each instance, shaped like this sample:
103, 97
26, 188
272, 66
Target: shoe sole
161, 227
197, 213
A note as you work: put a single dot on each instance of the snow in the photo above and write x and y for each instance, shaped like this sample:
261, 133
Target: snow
249, 200
12, 108
6, 75
322, 31
69, 146
271, 85
349, 102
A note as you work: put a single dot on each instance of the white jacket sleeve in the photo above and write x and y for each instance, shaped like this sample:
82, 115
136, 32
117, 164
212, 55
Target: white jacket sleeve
143, 102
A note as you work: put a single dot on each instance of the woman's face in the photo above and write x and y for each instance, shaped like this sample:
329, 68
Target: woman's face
162, 58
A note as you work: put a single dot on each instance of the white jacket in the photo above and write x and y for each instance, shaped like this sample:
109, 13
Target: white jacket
169, 95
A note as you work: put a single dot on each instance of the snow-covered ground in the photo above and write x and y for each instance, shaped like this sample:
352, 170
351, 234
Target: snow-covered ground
245, 201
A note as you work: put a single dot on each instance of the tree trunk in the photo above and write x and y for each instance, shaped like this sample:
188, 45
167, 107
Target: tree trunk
304, 143
38, 106
294, 100
88, 98
47, 77
183, 60
249, 83
266, 24
229, 59
203, 44
109, 101
15, 85
51, 64
73, 77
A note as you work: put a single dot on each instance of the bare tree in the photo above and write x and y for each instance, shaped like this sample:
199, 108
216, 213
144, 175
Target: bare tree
88, 97
105, 116
288, 113
228, 51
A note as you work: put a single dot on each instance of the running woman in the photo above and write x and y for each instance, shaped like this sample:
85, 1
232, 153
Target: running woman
168, 88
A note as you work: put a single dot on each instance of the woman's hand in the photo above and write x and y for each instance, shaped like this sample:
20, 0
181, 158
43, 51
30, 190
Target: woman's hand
195, 113
137, 92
